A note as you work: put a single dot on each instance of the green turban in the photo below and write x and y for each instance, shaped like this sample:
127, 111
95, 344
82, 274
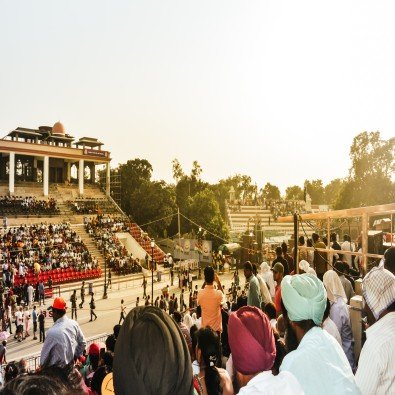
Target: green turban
304, 297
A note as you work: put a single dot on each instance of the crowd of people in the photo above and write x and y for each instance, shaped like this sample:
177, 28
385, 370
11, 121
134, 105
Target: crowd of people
30, 205
34, 249
103, 229
280, 333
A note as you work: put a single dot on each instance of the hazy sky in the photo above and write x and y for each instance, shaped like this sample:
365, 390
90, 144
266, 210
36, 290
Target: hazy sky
274, 89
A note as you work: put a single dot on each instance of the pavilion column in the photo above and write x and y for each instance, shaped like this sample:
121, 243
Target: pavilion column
81, 176
108, 179
68, 172
11, 179
46, 176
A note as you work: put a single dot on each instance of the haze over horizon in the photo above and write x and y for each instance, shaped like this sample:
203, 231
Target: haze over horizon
276, 89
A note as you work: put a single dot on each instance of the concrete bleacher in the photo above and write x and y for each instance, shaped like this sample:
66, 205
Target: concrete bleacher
243, 218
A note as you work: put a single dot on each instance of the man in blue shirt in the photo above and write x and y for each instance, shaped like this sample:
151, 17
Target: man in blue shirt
64, 341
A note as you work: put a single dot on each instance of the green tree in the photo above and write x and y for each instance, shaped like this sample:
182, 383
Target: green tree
133, 173
178, 173
294, 192
370, 177
271, 192
332, 191
204, 210
315, 189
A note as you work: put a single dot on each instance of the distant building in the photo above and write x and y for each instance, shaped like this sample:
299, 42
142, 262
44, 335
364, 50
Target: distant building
50, 155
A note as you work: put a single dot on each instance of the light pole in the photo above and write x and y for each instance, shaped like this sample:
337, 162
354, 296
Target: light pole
105, 266
152, 271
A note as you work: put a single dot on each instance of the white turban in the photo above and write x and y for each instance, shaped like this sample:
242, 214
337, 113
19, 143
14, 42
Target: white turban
305, 266
334, 286
264, 267
378, 289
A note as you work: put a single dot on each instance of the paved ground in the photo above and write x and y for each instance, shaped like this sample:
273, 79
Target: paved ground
107, 310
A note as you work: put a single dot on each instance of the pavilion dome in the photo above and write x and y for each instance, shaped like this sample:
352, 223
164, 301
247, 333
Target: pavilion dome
58, 128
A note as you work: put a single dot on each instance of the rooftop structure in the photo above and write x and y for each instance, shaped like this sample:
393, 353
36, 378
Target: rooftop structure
51, 155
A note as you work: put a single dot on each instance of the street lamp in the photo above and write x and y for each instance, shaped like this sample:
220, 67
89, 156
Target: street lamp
105, 266
152, 271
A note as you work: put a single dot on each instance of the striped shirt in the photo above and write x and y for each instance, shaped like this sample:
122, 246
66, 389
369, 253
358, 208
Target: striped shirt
375, 374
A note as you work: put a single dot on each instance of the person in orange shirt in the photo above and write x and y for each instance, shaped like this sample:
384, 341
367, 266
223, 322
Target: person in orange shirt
210, 300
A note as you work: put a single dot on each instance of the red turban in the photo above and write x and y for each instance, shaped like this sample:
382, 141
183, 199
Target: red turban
251, 340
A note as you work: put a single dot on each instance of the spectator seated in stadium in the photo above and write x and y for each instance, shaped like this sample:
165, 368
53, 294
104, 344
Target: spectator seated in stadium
18, 205
31, 253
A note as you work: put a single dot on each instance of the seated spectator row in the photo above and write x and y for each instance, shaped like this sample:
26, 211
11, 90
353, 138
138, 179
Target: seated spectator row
19, 205
40, 249
92, 206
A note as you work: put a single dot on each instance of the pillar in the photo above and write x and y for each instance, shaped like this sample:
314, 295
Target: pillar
68, 177
81, 177
11, 175
108, 179
46, 176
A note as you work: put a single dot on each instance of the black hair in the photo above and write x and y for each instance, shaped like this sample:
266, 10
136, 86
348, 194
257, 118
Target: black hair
284, 247
108, 358
248, 266
270, 310
208, 274
309, 243
254, 269
192, 332
94, 360
315, 237
59, 312
116, 330
198, 311
177, 317
209, 344
279, 250
301, 239
37, 384
327, 310
10, 371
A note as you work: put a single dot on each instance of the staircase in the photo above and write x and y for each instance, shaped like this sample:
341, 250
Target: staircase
90, 244
244, 219
145, 242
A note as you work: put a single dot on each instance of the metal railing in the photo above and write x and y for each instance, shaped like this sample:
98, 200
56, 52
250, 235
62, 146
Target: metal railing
33, 360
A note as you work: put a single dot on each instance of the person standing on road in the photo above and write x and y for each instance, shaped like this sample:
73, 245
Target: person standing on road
171, 276
92, 306
73, 300
109, 279
144, 284
82, 294
41, 324
123, 309
34, 319
41, 292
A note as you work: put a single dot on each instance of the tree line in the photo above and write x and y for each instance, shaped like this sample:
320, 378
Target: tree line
370, 181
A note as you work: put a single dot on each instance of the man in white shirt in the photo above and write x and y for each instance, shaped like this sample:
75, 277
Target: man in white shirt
347, 246
375, 374
30, 293
19, 324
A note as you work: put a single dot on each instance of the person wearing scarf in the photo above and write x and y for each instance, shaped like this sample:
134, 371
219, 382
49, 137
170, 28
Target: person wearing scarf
375, 374
253, 349
339, 313
314, 357
151, 356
